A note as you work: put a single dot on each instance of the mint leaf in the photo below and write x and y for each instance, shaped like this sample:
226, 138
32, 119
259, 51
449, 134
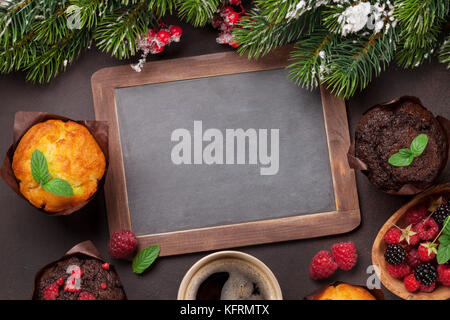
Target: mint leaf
419, 144
145, 258
446, 226
443, 254
39, 167
401, 159
59, 187
404, 157
444, 239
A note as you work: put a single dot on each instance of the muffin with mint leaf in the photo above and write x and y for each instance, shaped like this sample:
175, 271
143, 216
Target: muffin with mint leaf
58, 165
400, 146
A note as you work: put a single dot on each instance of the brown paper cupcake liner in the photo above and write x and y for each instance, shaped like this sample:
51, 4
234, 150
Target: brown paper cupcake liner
407, 189
23, 121
377, 293
85, 248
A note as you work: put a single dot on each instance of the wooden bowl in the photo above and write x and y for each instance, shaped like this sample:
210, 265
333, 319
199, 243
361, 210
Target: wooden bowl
379, 246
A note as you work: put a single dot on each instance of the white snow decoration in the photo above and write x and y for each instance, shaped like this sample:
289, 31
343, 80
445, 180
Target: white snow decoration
355, 18
374, 17
296, 10
65, 63
322, 54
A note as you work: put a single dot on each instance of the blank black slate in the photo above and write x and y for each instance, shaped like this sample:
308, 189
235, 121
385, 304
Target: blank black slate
166, 197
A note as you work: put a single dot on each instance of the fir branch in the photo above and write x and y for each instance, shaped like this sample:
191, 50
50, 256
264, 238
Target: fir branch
308, 58
444, 52
53, 26
197, 12
354, 61
117, 32
257, 36
91, 11
19, 54
57, 57
284, 10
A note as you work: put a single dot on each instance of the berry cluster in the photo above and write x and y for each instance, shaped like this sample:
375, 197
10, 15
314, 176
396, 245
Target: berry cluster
72, 283
225, 20
411, 251
343, 255
155, 41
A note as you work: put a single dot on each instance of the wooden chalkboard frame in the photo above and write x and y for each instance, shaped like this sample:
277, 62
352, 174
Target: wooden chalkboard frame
345, 218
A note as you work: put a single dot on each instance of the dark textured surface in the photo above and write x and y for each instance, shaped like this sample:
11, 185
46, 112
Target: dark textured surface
166, 197
29, 239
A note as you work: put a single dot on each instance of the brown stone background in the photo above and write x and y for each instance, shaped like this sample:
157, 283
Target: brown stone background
30, 239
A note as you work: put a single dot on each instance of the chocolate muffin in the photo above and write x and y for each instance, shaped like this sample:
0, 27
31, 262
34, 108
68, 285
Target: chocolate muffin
79, 277
385, 129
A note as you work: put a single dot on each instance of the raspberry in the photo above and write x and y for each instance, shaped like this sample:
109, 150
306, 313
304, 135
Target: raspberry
427, 251
122, 244
444, 274
51, 292
427, 289
414, 239
411, 284
395, 254
426, 273
322, 265
86, 296
345, 255
427, 229
400, 271
393, 236
412, 259
441, 213
416, 214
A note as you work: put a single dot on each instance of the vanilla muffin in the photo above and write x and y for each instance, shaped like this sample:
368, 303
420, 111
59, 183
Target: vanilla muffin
344, 291
72, 154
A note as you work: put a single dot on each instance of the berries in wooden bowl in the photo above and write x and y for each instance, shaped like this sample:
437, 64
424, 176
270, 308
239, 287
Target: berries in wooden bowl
412, 249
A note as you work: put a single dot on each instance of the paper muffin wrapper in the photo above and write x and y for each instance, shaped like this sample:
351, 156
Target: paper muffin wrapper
85, 248
23, 121
377, 293
407, 189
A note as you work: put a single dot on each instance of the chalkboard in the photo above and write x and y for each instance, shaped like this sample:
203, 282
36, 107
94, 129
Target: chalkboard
217, 158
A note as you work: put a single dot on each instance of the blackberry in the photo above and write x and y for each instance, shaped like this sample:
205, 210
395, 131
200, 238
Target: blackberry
426, 273
395, 254
441, 213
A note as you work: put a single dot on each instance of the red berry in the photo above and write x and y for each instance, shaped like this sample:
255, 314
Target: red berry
122, 244
322, 265
217, 21
163, 37
345, 255
86, 296
51, 292
155, 48
412, 259
224, 38
416, 214
414, 239
393, 236
233, 43
226, 10
232, 18
151, 34
427, 229
400, 271
427, 289
235, 2
444, 274
103, 286
425, 253
411, 284
175, 33
60, 281
105, 266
